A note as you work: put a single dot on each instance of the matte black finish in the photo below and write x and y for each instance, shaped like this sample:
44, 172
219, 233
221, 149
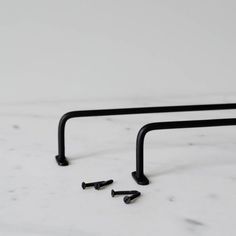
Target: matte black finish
61, 158
102, 184
61, 161
85, 185
129, 199
138, 175
115, 193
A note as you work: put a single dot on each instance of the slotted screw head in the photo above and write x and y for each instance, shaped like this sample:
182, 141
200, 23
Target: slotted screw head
113, 193
102, 184
128, 199
83, 185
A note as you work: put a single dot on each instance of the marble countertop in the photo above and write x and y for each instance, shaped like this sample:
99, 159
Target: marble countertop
192, 174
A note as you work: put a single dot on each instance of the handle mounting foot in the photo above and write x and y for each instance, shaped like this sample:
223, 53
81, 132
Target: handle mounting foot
140, 180
61, 161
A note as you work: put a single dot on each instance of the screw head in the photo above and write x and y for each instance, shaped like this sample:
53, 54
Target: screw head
127, 199
83, 185
112, 193
97, 186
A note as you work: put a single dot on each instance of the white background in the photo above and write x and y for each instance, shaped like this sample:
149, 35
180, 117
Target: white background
57, 56
73, 49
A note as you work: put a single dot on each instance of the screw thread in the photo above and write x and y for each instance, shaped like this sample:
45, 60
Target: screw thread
114, 193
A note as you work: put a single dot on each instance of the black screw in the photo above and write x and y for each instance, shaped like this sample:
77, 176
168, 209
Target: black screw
114, 193
102, 184
128, 199
85, 185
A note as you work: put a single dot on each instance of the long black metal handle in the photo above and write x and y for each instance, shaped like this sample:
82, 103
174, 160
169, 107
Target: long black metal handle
61, 158
138, 175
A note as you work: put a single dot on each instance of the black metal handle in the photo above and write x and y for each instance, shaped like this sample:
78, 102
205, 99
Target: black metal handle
138, 175
61, 158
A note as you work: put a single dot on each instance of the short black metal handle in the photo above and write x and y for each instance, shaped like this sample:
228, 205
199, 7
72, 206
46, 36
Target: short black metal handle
138, 175
61, 158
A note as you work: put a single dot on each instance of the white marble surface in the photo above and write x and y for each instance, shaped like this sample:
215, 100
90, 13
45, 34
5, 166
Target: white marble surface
192, 173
